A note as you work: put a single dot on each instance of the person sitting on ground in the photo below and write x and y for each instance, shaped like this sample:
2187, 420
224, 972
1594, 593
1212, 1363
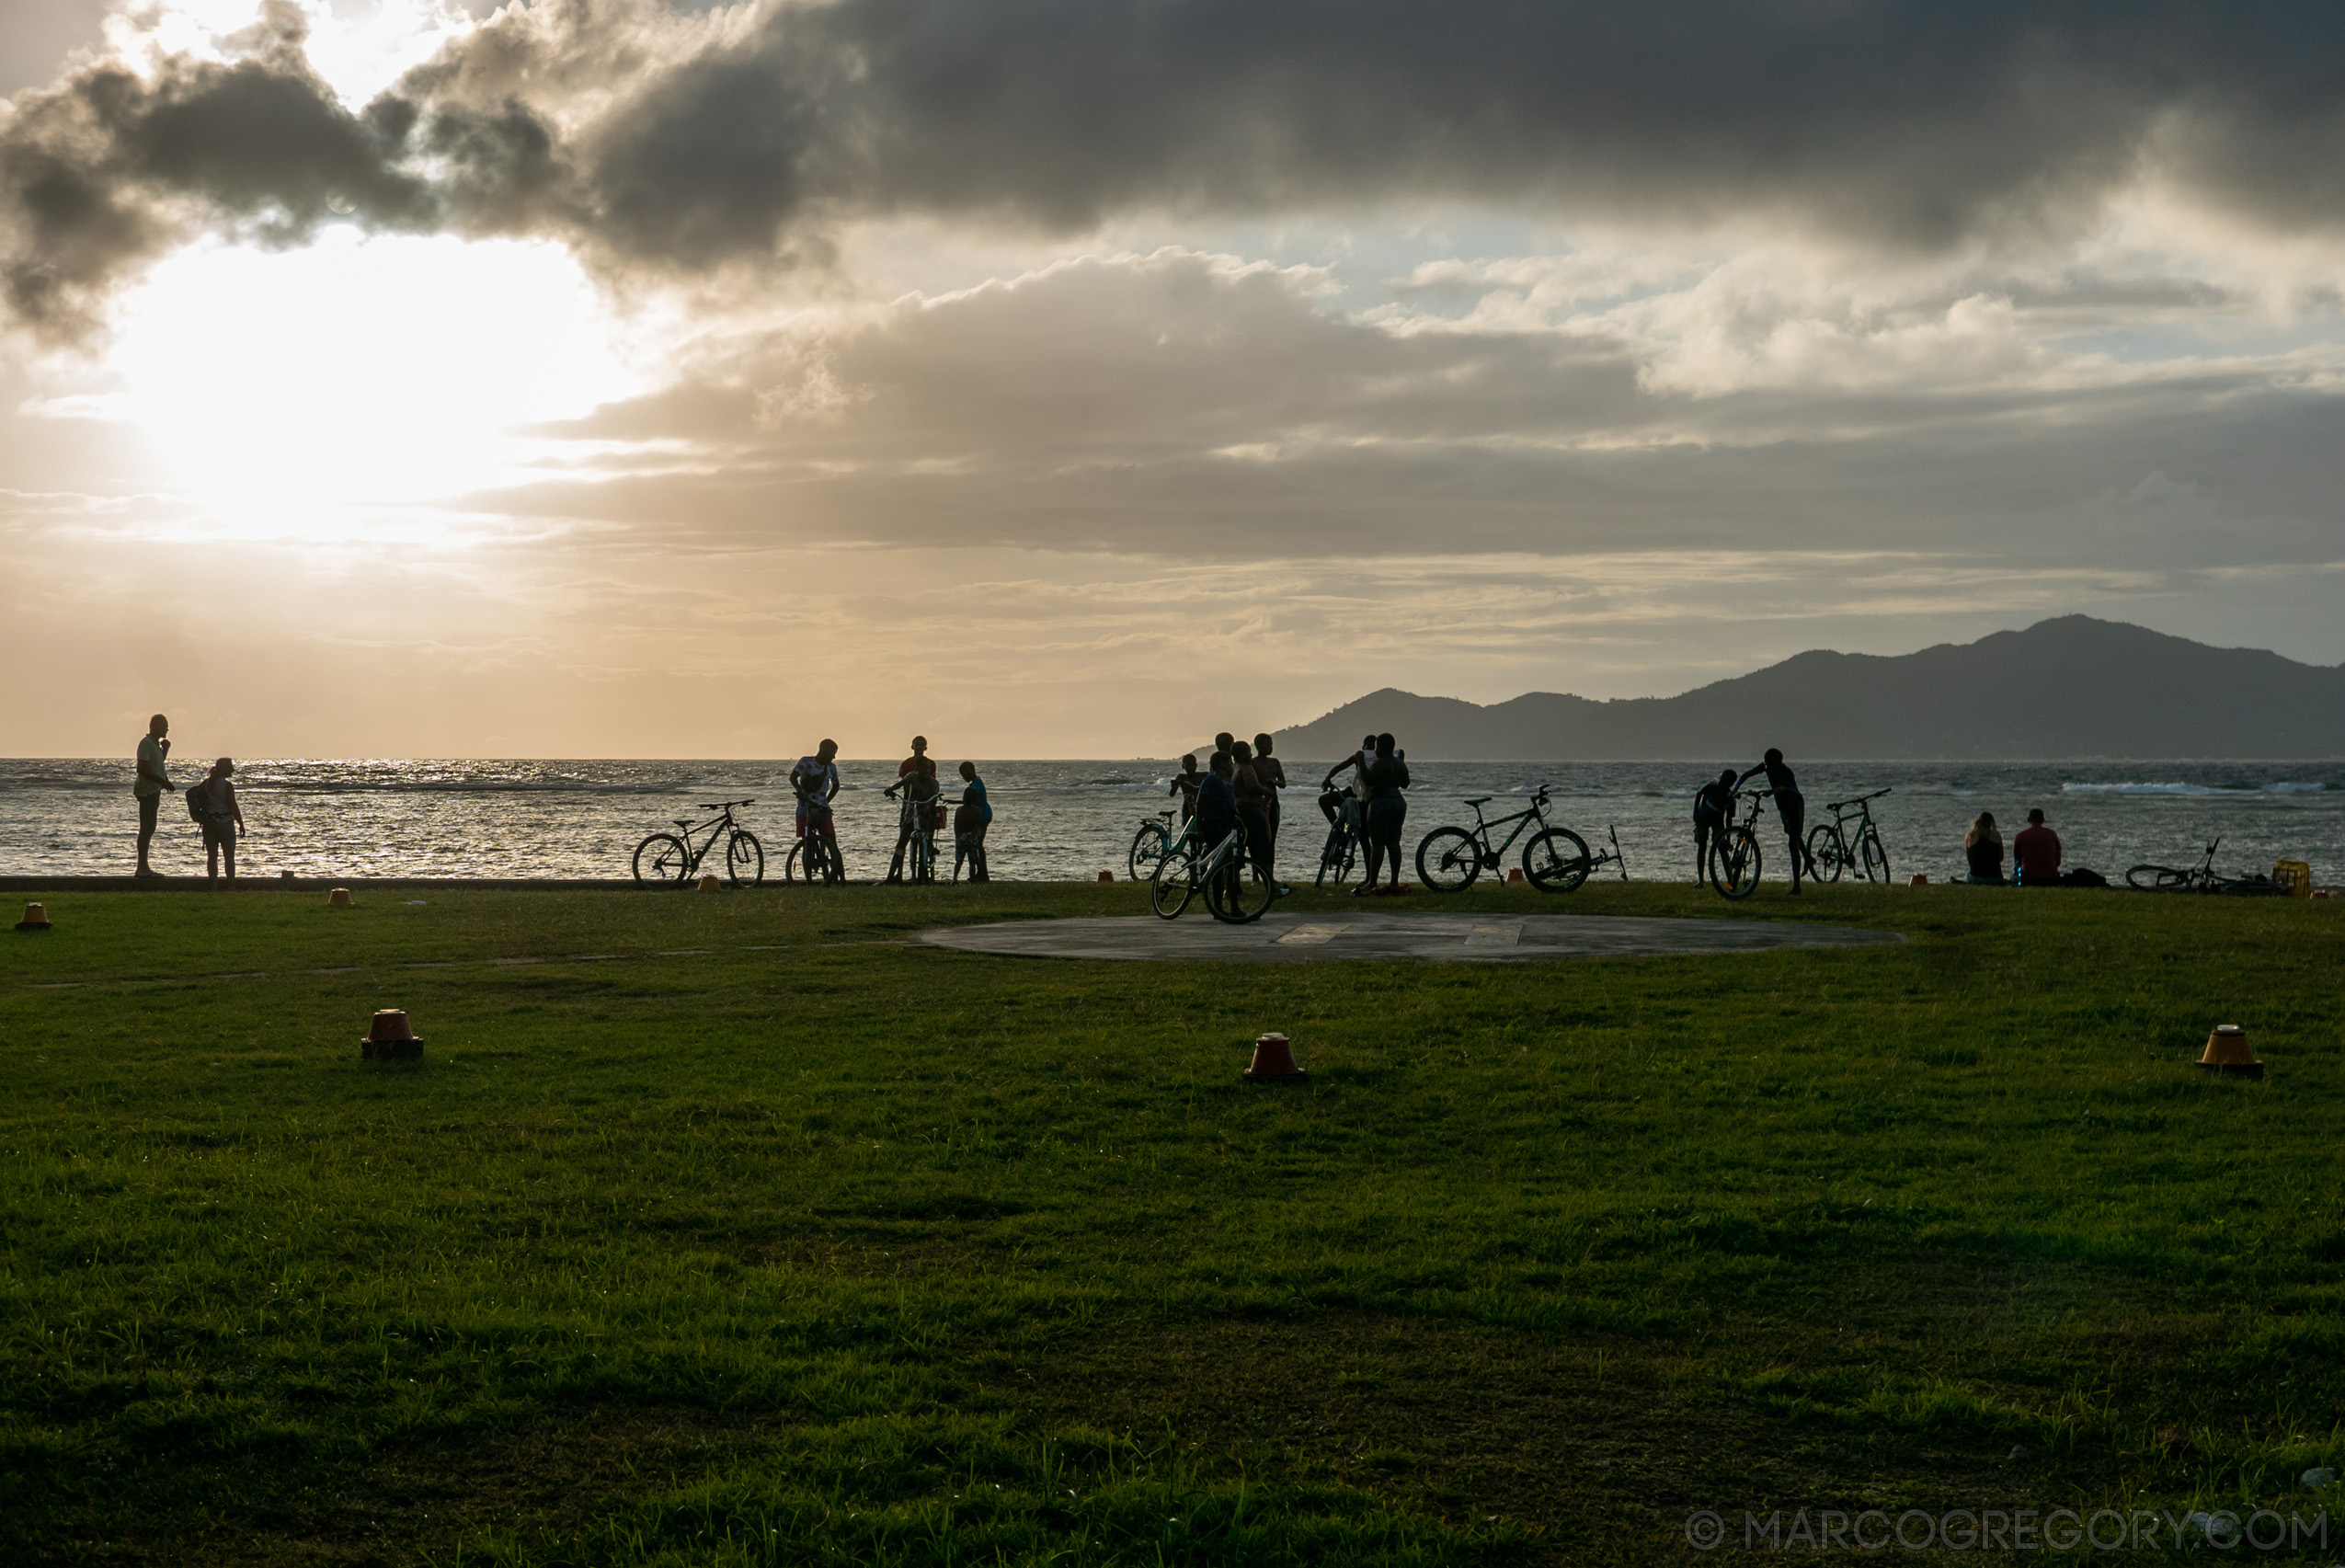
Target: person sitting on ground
154, 778
1253, 800
1184, 784
916, 776
1983, 847
816, 782
222, 820
1387, 776
1790, 805
1216, 802
970, 819
1714, 814
2035, 853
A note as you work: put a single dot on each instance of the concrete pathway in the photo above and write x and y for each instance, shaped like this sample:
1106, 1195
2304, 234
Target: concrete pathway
1442, 938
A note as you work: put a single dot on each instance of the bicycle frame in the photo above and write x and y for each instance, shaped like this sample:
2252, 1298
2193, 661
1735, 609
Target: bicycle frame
1535, 812
720, 826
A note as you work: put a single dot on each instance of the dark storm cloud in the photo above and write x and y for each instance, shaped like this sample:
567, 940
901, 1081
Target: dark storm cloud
688, 146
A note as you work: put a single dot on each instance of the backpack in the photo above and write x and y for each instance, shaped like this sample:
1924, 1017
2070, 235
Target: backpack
195, 803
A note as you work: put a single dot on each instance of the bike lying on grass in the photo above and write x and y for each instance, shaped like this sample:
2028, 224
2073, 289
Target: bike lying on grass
1556, 859
665, 857
2201, 878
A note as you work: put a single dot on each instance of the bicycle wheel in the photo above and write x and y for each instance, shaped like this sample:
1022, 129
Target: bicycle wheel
1240, 892
662, 858
1173, 883
1339, 859
1148, 847
745, 860
2157, 878
1876, 858
1735, 864
1826, 858
1557, 860
1448, 860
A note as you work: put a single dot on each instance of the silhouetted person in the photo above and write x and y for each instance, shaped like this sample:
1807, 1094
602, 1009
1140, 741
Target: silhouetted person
916, 776
154, 778
970, 819
1216, 802
2035, 853
816, 782
222, 820
1342, 804
1790, 805
1273, 775
1983, 847
1253, 801
1184, 784
1714, 814
1388, 775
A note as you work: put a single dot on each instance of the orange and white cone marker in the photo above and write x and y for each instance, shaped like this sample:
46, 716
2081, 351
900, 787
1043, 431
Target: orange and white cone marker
1275, 1061
36, 918
390, 1040
339, 900
2226, 1052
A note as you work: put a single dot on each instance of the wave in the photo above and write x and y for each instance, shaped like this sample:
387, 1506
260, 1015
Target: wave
2313, 787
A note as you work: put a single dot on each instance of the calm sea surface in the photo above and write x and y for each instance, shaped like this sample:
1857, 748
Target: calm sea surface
382, 817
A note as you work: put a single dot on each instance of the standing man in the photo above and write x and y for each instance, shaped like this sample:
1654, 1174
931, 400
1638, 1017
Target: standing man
154, 751
1790, 805
916, 776
2035, 853
1714, 814
816, 780
1273, 775
971, 819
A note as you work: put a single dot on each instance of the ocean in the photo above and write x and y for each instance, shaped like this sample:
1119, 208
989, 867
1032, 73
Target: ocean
1057, 821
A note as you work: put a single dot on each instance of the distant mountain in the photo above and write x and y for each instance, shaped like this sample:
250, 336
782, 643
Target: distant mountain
2071, 687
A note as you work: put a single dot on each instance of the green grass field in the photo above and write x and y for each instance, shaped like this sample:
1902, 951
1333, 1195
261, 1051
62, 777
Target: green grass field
808, 1246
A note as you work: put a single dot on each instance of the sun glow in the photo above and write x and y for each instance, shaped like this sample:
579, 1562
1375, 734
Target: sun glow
292, 393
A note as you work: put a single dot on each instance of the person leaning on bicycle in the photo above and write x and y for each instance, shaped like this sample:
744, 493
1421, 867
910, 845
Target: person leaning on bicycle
1714, 814
816, 780
916, 776
1790, 805
1341, 803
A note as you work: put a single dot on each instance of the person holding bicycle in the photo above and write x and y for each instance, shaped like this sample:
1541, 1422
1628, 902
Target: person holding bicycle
916, 776
816, 780
1790, 805
1184, 784
1254, 800
1387, 776
1714, 814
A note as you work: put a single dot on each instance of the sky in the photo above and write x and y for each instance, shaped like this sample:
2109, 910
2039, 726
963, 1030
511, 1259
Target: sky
1077, 377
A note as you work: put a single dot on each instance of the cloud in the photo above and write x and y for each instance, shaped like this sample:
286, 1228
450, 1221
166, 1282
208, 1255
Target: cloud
669, 145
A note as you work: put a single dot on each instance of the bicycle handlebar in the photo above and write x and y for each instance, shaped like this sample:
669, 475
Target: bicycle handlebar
723, 804
1859, 800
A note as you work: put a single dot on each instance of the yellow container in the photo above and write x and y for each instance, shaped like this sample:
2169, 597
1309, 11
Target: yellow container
2295, 876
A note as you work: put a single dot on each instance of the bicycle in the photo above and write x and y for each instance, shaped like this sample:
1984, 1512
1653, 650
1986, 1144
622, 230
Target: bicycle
920, 845
2200, 878
815, 855
1555, 860
1151, 844
1836, 846
1236, 892
1340, 856
674, 858
1734, 857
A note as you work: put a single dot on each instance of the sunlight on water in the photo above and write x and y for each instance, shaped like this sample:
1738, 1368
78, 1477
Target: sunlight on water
380, 817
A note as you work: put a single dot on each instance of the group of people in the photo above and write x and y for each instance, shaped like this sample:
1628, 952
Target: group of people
1238, 791
816, 782
213, 802
2035, 853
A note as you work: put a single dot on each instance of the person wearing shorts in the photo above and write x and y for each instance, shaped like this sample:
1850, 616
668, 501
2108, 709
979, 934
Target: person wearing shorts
816, 780
1790, 805
222, 820
916, 776
970, 819
154, 778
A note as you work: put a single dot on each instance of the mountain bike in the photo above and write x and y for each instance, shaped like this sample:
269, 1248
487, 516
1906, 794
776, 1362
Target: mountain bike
665, 857
1236, 892
815, 858
1847, 843
1735, 858
2200, 878
1340, 856
1555, 860
1150, 845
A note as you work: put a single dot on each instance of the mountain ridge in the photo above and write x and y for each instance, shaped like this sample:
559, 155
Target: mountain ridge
2072, 687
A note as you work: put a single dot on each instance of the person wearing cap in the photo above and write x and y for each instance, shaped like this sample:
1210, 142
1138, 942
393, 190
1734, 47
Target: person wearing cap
2035, 853
154, 778
916, 776
222, 819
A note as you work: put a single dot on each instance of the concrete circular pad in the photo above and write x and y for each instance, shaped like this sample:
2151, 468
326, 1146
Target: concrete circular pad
1301, 939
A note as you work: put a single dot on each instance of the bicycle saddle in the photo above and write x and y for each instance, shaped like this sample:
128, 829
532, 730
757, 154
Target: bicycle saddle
1480, 800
